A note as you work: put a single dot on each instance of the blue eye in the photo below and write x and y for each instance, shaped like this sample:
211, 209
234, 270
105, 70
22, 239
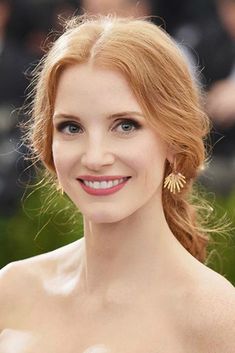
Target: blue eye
68, 127
128, 126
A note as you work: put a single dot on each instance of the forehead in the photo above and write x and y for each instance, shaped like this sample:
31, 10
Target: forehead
85, 88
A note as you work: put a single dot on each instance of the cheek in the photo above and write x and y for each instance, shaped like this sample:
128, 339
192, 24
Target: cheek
63, 158
151, 161
148, 169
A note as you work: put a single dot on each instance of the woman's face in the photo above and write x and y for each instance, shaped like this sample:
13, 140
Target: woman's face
100, 130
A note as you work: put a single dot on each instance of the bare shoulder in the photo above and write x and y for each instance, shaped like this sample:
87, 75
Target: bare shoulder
213, 312
220, 317
9, 286
23, 282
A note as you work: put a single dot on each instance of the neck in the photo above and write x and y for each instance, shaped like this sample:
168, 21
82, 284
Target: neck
134, 251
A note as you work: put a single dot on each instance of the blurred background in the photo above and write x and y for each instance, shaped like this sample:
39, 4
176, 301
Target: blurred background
32, 219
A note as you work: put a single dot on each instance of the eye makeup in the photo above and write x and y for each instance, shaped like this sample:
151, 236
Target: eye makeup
73, 127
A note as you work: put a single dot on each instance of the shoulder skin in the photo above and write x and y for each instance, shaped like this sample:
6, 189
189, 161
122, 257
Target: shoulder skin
222, 319
215, 317
22, 282
8, 289
19, 285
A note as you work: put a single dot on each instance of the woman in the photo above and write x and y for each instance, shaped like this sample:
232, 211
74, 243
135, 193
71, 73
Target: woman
117, 123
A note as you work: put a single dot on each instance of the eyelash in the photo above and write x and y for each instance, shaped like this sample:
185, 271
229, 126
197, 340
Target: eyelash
61, 126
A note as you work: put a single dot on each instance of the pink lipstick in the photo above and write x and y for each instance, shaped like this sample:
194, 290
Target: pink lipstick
103, 192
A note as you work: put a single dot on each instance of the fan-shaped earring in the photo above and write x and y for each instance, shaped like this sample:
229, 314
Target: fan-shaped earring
174, 181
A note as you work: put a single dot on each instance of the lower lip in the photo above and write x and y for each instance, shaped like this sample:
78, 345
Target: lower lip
103, 192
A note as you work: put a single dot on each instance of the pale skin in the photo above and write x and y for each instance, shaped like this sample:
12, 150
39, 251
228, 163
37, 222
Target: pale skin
128, 285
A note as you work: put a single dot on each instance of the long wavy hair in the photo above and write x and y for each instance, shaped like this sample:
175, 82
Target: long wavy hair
162, 83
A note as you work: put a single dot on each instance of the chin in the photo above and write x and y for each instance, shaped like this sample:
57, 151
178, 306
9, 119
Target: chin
103, 218
109, 216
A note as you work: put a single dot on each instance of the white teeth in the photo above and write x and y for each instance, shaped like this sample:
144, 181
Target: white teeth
116, 182
103, 184
108, 184
96, 184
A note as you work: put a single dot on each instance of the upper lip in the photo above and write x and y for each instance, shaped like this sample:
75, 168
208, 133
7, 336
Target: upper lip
102, 177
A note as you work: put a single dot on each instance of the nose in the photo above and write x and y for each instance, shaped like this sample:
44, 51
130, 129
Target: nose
96, 155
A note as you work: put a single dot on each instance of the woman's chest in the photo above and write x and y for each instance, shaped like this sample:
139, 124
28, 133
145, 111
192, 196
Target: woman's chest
26, 341
59, 331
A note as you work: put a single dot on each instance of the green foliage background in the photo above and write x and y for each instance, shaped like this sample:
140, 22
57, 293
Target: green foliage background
45, 222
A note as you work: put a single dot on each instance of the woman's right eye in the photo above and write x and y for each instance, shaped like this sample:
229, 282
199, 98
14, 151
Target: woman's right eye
68, 127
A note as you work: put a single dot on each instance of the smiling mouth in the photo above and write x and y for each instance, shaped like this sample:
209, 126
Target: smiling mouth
103, 184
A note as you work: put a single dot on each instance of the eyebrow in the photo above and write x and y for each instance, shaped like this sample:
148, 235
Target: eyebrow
109, 117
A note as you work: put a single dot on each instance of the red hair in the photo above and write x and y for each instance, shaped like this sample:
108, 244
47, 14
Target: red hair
160, 78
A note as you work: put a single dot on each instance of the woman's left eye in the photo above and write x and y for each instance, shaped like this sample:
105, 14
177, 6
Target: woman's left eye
128, 126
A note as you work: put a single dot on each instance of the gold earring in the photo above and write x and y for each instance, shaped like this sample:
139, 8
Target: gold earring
60, 189
174, 181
